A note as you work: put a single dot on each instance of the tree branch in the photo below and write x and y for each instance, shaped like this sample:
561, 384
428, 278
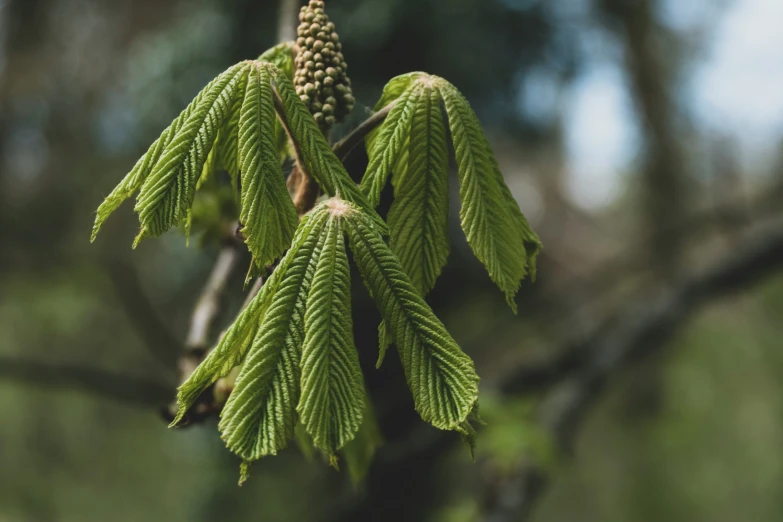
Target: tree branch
635, 333
160, 343
136, 391
344, 147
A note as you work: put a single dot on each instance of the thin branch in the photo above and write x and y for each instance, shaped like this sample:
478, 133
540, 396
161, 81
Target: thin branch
637, 332
161, 344
344, 147
208, 305
136, 391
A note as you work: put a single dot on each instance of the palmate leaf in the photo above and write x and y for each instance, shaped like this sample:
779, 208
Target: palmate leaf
141, 171
167, 193
268, 215
441, 377
234, 345
259, 417
316, 154
332, 385
495, 228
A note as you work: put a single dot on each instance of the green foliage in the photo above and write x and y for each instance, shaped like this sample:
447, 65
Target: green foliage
332, 384
260, 414
359, 452
440, 376
392, 141
234, 346
496, 229
167, 193
292, 349
418, 218
281, 56
296, 336
268, 215
316, 155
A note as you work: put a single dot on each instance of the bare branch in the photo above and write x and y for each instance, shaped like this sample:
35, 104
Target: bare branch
158, 340
344, 147
637, 332
136, 391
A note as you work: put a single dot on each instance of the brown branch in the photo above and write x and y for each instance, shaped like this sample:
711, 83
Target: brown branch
344, 147
636, 333
161, 344
136, 391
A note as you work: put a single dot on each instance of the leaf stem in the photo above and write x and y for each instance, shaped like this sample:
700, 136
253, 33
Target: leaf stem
344, 147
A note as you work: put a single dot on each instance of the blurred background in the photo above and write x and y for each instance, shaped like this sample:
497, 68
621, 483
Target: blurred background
643, 377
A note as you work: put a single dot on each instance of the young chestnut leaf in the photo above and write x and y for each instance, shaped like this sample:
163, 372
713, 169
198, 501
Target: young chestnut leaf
167, 193
234, 345
260, 415
496, 229
440, 376
160, 149
332, 397
268, 215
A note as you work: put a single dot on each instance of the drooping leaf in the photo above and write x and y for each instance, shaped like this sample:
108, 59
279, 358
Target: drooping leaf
268, 215
167, 193
281, 56
234, 345
318, 159
391, 92
227, 143
259, 417
332, 385
141, 171
418, 218
441, 377
495, 228
392, 139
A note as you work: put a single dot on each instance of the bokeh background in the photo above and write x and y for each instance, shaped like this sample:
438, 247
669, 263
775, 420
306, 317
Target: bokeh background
642, 379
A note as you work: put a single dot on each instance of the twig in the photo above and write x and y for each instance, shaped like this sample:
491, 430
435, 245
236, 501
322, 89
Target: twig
208, 304
156, 336
635, 333
344, 147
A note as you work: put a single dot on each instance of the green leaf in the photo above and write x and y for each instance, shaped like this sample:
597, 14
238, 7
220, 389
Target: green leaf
391, 91
227, 143
140, 172
167, 192
392, 139
495, 228
418, 218
259, 417
441, 377
234, 345
281, 56
332, 385
318, 159
268, 215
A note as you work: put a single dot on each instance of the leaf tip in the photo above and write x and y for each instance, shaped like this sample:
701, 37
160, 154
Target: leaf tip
244, 472
142, 235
